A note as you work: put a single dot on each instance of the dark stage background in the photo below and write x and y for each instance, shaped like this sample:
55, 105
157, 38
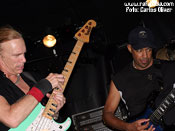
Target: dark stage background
103, 56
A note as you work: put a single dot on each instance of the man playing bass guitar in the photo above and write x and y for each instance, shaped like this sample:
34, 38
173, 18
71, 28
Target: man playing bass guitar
19, 95
136, 83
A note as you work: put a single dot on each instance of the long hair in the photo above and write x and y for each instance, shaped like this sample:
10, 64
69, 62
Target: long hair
8, 33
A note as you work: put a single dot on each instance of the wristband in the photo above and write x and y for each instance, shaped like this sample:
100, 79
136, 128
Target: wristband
35, 92
40, 89
44, 86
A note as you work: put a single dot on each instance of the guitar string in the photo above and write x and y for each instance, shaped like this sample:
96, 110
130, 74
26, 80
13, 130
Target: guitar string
42, 122
38, 123
156, 113
46, 123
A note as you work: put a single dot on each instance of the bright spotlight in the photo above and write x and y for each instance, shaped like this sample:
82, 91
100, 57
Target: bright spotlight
49, 41
152, 3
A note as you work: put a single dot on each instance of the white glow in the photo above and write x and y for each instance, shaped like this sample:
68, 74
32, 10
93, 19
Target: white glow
49, 41
152, 3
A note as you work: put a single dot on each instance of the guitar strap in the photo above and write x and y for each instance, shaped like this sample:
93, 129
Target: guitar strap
123, 110
29, 76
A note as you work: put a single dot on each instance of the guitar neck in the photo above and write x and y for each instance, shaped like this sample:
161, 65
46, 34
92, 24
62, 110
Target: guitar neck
82, 37
51, 104
71, 62
163, 107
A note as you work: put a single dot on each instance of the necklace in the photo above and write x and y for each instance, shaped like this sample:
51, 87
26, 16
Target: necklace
18, 78
134, 65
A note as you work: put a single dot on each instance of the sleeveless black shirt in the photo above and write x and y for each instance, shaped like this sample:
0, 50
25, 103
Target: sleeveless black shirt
136, 87
11, 92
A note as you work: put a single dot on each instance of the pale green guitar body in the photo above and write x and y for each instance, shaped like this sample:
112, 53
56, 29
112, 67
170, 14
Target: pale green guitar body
36, 122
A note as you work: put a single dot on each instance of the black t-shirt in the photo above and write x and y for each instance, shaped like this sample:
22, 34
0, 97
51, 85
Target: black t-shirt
135, 87
138, 86
11, 92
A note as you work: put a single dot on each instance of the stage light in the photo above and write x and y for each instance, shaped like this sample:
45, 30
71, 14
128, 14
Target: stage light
49, 41
152, 3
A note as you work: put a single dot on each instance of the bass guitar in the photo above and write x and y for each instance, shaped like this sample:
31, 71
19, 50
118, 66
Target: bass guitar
41, 118
156, 116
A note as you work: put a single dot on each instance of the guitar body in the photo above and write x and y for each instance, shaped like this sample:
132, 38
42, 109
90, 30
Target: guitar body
146, 115
156, 116
31, 122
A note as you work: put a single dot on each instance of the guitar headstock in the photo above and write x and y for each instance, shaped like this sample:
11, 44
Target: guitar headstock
84, 33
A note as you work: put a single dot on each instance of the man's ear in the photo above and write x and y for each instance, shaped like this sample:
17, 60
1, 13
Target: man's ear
129, 47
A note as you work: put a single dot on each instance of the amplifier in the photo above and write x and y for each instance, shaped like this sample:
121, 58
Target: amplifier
91, 120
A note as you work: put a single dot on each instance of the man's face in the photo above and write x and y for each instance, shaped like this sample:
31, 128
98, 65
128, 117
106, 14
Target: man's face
12, 57
142, 57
